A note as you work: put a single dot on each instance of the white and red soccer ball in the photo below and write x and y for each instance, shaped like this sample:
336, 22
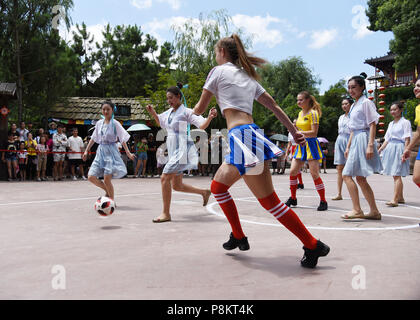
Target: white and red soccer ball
105, 206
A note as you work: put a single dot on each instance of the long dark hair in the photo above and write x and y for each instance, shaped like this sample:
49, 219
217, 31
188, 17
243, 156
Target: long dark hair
236, 50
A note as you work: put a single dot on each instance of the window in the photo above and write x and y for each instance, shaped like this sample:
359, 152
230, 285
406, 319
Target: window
123, 110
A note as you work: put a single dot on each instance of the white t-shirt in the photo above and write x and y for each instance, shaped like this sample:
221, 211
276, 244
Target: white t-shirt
399, 130
233, 88
362, 114
75, 145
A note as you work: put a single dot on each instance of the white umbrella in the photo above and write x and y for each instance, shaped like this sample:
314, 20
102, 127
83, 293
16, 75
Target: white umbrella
138, 127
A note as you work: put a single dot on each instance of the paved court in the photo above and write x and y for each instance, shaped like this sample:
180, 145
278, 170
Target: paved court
54, 246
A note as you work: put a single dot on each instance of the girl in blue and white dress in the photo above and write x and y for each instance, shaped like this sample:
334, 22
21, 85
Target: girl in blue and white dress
397, 137
108, 162
341, 145
182, 153
362, 155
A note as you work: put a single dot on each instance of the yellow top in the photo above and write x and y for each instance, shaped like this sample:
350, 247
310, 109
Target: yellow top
304, 123
417, 120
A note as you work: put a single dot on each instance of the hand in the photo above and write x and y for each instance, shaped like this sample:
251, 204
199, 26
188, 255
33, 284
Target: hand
346, 153
299, 138
406, 155
369, 152
131, 156
84, 157
150, 108
213, 113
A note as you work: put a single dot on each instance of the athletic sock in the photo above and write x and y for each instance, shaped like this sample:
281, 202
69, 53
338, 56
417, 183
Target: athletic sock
299, 176
319, 185
223, 197
293, 186
287, 217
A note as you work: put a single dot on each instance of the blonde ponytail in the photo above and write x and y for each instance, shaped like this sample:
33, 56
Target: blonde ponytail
236, 50
312, 102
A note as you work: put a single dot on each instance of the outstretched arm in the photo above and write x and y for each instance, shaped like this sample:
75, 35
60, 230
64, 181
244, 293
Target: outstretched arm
267, 101
153, 113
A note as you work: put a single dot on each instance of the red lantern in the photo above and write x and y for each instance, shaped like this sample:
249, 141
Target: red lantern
382, 96
382, 89
381, 117
381, 125
370, 91
381, 103
371, 98
381, 110
381, 131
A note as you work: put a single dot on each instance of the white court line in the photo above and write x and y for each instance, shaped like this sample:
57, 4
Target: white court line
210, 209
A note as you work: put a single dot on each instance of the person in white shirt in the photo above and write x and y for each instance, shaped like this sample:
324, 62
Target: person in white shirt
75, 144
362, 155
234, 84
341, 145
397, 138
59, 150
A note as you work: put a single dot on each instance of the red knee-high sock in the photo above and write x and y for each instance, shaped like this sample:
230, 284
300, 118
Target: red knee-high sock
319, 185
293, 186
299, 176
289, 219
223, 197
418, 185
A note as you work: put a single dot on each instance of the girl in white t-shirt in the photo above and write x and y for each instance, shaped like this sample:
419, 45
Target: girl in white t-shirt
397, 137
362, 154
234, 84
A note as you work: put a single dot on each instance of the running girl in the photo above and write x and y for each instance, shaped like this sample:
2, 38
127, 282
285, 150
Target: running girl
234, 83
308, 124
108, 162
182, 153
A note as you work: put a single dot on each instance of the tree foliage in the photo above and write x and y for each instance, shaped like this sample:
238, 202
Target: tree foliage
402, 17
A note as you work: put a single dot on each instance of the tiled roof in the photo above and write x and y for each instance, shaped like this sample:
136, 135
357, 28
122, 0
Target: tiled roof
78, 108
8, 89
388, 57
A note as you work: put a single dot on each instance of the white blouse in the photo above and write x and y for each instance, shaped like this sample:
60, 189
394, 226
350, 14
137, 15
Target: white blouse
362, 114
400, 130
233, 88
343, 125
105, 134
177, 121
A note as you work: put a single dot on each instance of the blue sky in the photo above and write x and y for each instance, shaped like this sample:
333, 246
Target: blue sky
329, 35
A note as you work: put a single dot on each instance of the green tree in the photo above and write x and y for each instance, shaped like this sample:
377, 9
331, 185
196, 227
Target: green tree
402, 17
32, 54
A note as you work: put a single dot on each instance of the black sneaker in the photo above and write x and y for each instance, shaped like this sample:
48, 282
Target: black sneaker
310, 258
323, 206
234, 243
301, 186
291, 202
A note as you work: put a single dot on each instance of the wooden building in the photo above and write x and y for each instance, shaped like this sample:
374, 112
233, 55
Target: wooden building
392, 78
83, 113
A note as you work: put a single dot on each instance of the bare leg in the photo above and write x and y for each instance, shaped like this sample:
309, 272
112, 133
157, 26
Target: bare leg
165, 181
98, 183
354, 195
369, 195
416, 173
109, 187
339, 182
180, 186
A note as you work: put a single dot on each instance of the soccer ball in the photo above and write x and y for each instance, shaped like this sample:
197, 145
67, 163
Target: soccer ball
105, 206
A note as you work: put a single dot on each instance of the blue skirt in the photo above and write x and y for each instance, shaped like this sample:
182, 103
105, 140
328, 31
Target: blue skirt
357, 165
391, 160
340, 149
310, 151
108, 161
249, 147
182, 154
